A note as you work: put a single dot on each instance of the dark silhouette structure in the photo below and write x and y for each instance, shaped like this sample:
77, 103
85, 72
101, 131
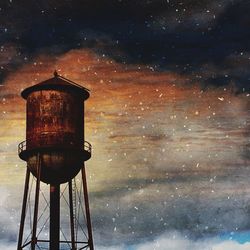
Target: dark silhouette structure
55, 152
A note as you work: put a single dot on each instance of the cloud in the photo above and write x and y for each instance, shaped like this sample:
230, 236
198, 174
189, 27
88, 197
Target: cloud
167, 241
176, 241
165, 155
8, 245
174, 36
229, 245
8, 221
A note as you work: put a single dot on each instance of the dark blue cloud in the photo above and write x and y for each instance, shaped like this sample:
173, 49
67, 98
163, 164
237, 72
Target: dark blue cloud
182, 36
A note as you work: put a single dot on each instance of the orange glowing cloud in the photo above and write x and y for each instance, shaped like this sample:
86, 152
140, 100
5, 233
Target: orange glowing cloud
144, 121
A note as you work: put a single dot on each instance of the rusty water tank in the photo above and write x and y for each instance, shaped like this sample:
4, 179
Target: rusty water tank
55, 129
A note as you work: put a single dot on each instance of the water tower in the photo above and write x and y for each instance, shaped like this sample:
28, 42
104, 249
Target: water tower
55, 152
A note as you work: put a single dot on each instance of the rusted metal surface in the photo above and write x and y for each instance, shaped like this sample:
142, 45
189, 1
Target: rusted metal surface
55, 129
54, 118
57, 83
86, 149
58, 166
55, 151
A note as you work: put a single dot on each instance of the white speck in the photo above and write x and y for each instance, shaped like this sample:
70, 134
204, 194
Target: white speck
221, 98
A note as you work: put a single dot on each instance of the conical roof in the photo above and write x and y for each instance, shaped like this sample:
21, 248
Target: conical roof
57, 83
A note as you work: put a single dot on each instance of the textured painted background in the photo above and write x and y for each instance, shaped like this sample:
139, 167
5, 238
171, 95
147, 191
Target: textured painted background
168, 116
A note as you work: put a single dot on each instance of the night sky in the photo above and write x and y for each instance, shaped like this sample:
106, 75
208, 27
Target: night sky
168, 115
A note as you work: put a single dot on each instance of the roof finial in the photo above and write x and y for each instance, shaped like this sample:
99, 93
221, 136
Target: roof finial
55, 73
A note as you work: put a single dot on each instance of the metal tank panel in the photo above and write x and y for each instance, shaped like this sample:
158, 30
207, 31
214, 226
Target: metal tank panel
55, 129
58, 166
54, 118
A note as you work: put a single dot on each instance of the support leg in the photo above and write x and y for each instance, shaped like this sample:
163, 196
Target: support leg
25, 197
72, 222
34, 239
54, 217
86, 201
